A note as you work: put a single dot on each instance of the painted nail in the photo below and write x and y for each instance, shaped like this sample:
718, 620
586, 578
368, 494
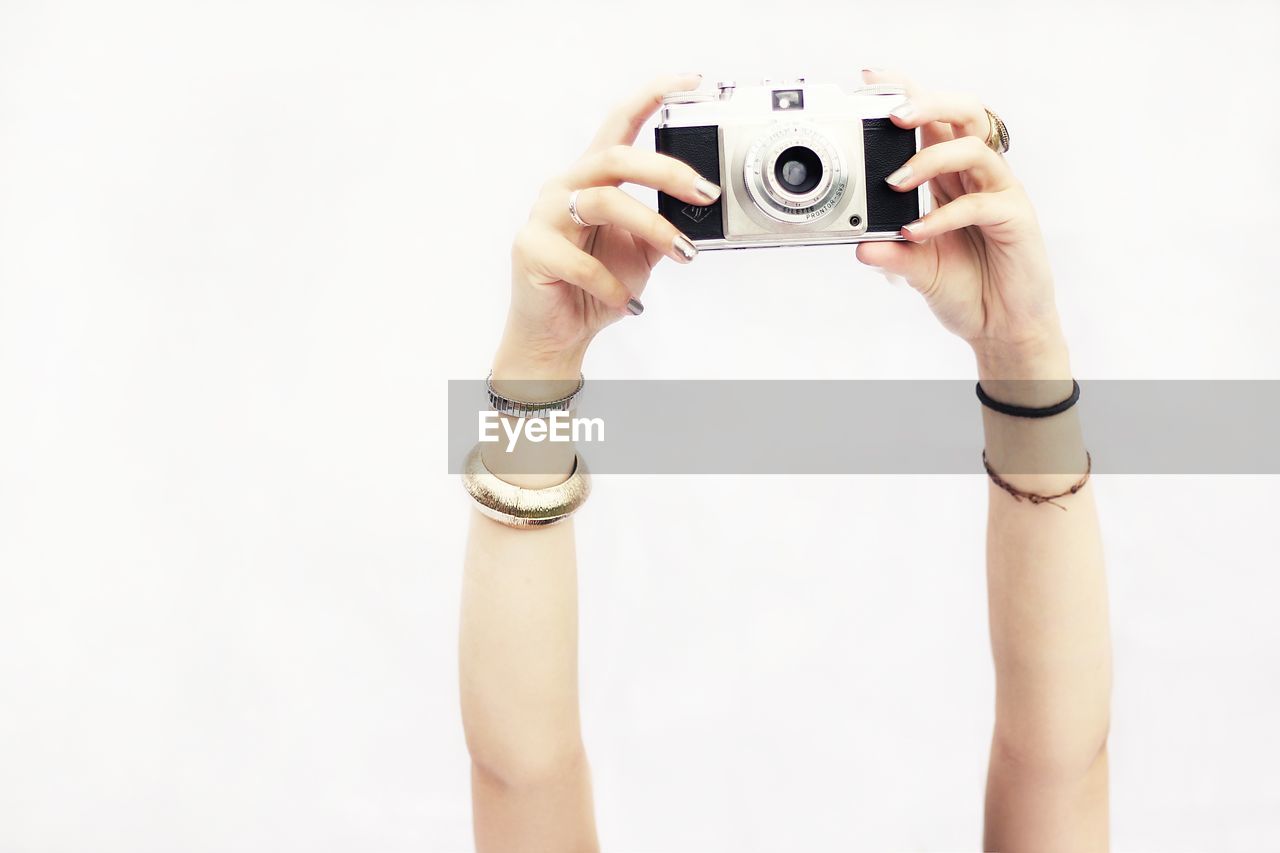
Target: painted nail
706, 189
904, 110
685, 250
635, 306
898, 177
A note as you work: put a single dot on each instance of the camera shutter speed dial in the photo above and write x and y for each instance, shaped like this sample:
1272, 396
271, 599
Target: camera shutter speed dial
881, 89
687, 98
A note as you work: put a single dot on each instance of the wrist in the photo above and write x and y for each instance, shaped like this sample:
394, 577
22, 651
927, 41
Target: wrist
516, 360
1034, 373
1041, 357
526, 372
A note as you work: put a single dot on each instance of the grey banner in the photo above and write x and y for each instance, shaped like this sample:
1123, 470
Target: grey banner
893, 426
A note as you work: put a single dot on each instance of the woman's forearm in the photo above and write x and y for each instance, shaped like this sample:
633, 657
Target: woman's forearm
518, 648
1048, 620
518, 659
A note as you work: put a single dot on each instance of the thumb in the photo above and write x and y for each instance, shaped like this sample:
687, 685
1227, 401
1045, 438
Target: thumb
913, 261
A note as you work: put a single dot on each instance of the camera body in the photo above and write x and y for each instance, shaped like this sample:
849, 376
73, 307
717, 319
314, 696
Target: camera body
797, 164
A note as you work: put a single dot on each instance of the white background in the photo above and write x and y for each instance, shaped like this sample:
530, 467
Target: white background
243, 246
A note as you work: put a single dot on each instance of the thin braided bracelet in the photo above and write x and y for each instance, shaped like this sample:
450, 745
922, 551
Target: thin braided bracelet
1019, 495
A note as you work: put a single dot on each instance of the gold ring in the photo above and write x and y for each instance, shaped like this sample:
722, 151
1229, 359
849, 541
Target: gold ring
998, 138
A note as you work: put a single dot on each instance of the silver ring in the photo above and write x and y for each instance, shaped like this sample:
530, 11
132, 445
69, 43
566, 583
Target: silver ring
573, 210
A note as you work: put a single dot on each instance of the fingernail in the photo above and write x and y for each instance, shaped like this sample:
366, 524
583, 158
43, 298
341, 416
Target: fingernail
904, 110
635, 306
914, 229
685, 250
872, 70
706, 189
898, 177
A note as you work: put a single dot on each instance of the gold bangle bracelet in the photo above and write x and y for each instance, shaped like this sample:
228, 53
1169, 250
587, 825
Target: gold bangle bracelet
517, 507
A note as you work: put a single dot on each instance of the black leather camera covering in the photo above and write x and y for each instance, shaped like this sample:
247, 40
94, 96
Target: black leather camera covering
700, 148
885, 147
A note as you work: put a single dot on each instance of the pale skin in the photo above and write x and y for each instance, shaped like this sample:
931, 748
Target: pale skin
980, 263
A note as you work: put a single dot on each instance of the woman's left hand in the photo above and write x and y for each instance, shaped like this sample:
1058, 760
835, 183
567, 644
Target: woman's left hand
978, 258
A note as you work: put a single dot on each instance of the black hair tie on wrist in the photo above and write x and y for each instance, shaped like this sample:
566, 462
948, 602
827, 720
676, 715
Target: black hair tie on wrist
1026, 411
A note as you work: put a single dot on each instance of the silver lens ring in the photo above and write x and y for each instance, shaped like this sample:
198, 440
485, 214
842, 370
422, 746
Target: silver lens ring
786, 197
772, 197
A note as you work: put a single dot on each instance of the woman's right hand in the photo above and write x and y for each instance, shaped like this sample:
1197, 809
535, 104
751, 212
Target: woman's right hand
569, 282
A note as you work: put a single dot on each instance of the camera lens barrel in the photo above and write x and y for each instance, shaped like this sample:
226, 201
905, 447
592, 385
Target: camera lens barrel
795, 174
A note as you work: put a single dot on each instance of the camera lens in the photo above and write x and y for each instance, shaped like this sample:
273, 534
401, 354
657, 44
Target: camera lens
798, 169
794, 173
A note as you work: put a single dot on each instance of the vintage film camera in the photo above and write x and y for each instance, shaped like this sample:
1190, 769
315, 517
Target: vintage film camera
798, 164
